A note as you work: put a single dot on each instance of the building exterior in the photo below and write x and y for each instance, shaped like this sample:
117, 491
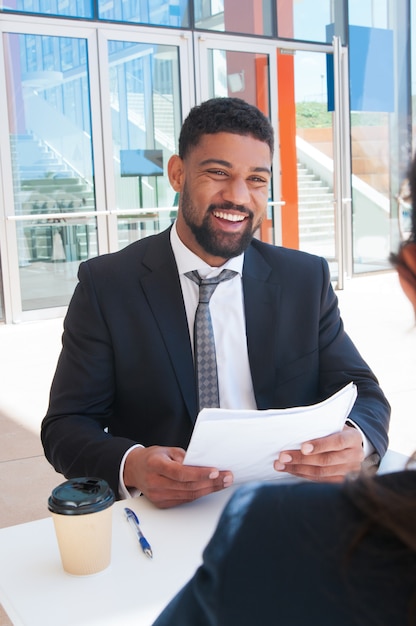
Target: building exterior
93, 93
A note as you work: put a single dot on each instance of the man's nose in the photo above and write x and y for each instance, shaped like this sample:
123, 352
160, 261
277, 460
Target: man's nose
236, 191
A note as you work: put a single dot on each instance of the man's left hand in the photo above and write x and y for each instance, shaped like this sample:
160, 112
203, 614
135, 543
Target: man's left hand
327, 459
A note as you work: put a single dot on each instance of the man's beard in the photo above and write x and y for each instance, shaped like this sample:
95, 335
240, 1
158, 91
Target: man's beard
217, 243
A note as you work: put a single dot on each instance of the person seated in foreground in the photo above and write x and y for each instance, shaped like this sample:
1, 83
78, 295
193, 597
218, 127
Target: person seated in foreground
308, 553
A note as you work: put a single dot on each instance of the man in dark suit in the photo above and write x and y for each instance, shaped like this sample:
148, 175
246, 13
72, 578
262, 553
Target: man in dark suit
123, 401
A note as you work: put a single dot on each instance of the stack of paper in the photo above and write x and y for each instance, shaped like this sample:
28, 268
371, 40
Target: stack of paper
248, 442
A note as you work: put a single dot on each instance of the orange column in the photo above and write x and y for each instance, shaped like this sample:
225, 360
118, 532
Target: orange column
262, 102
288, 159
287, 129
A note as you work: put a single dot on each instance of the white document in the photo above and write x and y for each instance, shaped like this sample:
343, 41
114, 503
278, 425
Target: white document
248, 442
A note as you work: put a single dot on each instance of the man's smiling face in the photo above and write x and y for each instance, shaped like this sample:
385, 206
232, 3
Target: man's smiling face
224, 187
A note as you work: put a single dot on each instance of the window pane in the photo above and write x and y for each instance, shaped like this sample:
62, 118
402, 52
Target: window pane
68, 8
308, 21
251, 17
378, 116
146, 115
52, 161
368, 13
157, 12
314, 149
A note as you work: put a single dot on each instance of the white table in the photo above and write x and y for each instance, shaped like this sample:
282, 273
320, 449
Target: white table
35, 591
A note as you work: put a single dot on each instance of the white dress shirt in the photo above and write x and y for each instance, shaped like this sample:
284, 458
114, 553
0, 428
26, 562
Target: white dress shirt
228, 321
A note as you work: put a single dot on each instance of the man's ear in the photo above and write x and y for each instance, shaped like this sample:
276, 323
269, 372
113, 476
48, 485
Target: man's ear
176, 172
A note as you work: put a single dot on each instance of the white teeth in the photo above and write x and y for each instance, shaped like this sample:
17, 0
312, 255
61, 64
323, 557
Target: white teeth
229, 216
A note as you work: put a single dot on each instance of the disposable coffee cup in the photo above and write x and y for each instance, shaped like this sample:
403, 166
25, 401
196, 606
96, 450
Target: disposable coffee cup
82, 514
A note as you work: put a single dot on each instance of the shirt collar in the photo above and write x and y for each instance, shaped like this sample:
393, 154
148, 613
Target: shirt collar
187, 261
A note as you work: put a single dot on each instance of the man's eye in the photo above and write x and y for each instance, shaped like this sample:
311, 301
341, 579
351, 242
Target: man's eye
259, 179
217, 172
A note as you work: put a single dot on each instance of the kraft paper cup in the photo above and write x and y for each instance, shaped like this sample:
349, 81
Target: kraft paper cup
81, 510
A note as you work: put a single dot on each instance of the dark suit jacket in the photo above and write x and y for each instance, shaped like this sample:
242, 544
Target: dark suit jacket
127, 366
283, 555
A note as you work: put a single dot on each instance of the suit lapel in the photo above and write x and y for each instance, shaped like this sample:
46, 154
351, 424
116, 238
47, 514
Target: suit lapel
164, 295
261, 302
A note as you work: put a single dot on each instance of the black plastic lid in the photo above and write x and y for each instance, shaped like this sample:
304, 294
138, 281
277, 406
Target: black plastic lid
79, 496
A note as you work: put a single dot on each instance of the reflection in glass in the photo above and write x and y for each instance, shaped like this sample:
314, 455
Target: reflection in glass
50, 140
68, 8
172, 13
371, 154
372, 149
242, 75
368, 13
307, 21
254, 18
314, 151
146, 116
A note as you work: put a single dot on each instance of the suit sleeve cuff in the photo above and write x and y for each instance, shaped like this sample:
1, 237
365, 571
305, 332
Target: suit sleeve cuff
367, 445
123, 491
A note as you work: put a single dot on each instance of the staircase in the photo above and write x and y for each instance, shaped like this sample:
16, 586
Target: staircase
316, 214
45, 183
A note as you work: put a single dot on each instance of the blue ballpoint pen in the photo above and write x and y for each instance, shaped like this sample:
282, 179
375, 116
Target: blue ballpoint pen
134, 522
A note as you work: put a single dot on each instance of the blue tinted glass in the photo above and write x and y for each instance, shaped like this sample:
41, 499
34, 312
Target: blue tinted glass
368, 13
308, 20
68, 8
52, 163
254, 18
156, 12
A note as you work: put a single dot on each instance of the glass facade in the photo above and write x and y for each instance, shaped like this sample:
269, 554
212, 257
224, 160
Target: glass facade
314, 150
146, 116
381, 141
307, 20
251, 17
95, 104
173, 13
63, 8
52, 163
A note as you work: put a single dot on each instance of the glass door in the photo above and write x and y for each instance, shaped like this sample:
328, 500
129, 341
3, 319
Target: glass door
309, 206
144, 101
93, 117
225, 68
47, 135
315, 152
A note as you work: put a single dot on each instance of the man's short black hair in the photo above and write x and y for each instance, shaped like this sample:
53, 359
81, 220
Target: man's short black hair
228, 115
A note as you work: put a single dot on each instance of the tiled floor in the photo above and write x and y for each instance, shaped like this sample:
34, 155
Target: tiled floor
376, 314
27, 362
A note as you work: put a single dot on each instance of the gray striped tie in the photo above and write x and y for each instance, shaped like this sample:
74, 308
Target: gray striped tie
204, 344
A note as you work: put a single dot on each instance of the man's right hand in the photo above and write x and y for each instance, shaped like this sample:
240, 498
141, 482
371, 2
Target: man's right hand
158, 472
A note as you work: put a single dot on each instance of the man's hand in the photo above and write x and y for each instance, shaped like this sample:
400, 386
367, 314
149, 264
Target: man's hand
158, 472
327, 459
